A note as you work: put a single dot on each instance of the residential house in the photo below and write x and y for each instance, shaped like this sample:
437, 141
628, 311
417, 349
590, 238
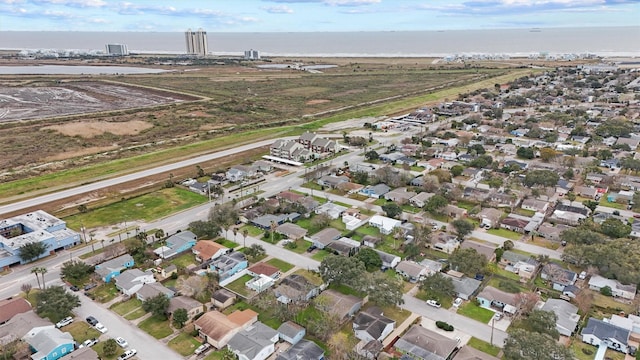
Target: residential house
266, 222
132, 280
307, 138
598, 331
199, 188
228, 265
501, 200
112, 268
291, 332
344, 246
11, 307
324, 146
263, 166
255, 342
412, 271
192, 306
487, 250
571, 291
421, 199
325, 237
551, 232
495, 299
632, 142
85, 353
514, 224
49, 343
20, 325
291, 231
370, 350
217, 329
465, 287
447, 155
296, 288
525, 266
148, 291
385, 224
332, 181
206, 250
399, 195
168, 271
558, 276
371, 324
353, 219
260, 283
566, 314
176, 244
304, 349
454, 211
235, 174
490, 217
265, 269
389, 261
598, 282
375, 191
222, 298
331, 209
420, 343
350, 187
432, 266
535, 205
635, 228
587, 192
446, 243
341, 305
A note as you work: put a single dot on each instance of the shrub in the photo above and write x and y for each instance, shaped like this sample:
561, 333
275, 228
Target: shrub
444, 326
587, 351
291, 245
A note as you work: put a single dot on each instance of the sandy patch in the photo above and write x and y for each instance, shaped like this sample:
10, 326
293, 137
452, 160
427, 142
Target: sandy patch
317, 101
207, 127
92, 129
81, 152
199, 114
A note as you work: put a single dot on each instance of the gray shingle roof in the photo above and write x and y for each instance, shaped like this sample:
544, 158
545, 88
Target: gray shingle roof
603, 330
304, 349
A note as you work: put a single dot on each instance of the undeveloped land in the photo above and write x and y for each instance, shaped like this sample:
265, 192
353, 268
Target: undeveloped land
37, 102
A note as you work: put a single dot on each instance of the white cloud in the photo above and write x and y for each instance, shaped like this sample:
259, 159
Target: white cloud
278, 9
351, 2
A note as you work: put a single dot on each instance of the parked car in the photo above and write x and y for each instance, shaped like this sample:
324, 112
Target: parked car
90, 286
632, 350
88, 342
497, 316
92, 321
74, 288
457, 302
311, 248
122, 342
127, 354
103, 329
202, 348
64, 322
433, 303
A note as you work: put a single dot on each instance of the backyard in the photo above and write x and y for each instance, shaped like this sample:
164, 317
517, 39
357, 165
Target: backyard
238, 286
184, 260
104, 293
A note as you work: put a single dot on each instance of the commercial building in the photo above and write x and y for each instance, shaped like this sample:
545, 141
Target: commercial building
117, 49
252, 55
196, 42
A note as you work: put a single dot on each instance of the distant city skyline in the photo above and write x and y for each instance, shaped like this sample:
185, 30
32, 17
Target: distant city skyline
311, 15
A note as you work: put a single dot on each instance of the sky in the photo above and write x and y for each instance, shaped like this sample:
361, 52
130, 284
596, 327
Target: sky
311, 15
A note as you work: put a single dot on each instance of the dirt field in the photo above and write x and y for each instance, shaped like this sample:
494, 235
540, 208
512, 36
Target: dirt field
91, 129
36, 102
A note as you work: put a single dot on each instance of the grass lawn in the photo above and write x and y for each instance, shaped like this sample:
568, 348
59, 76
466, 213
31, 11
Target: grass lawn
253, 231
228, 243
81, 331
467, 205
184, 260
184, 344
380, 202
280, 264
392, 312
525, 212
138, 313
607, 302
357, 196
368, 230
312, 185
126, 306
483, 346
312, 277
506, 285
578, 346
98, 348
320, 255
540, 241
156, 327
505, 233
105, 292
445, 301
607, 203
301, 246
239, 286
411, 209
170, 283
494, 268
472, 310
145, 207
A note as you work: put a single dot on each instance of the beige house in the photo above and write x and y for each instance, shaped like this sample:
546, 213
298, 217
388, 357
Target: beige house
217, 329
193, 307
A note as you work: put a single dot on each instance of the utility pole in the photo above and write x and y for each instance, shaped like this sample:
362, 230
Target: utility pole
493, 320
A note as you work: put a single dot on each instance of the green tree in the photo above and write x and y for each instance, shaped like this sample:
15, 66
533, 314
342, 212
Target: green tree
457, 170
508, 245
615, 228
385, 290
110, 347
371, 155
56, 303
525, 153
180, 317
438, 285
523, 345
463, 227
157, 305
590, 204
546, 178
255, 251
360, 177
543, 322
580, 235
31, 251
76, 272
476, 149
569, 174
204, 229
547, 154
392, 209
342, 270
224, 216
606, 291
468, 261
370, 258
436, 203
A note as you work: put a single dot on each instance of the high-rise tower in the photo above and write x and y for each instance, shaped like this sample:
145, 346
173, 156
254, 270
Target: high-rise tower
196, 42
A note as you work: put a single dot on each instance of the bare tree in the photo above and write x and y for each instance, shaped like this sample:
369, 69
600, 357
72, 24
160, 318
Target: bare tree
192, 286
526, 301
26, 288
583, 300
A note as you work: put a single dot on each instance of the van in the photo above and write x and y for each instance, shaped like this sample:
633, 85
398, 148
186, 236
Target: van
583, 275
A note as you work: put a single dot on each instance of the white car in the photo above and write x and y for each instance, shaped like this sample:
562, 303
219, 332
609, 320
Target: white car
457, 302
497, 316
127, 354
64, 322
122, 342
202, 348
101, 328
433, 303
88, 343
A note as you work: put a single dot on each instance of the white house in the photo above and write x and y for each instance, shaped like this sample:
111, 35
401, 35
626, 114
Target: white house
371, 324
598, 282
385, 224
598, 331
130, 281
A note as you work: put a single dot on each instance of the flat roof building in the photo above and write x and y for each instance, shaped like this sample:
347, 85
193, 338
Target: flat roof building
197, 43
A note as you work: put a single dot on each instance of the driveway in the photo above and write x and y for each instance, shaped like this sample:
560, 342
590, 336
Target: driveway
148, 347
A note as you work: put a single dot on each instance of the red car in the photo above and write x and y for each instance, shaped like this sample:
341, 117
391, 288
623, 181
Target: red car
637, 216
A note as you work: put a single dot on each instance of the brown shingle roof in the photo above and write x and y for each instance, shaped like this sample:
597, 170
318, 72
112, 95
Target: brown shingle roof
207, 249
12, 307
216, 325
264, 269
243, 317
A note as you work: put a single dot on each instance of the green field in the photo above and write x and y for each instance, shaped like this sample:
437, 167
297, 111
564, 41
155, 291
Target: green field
280, 264
505, 233
147, 207
474, 311
483, 346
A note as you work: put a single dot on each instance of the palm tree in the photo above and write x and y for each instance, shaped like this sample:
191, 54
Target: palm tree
35, 270
245, 232
159, 234
235, 233
43, 271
